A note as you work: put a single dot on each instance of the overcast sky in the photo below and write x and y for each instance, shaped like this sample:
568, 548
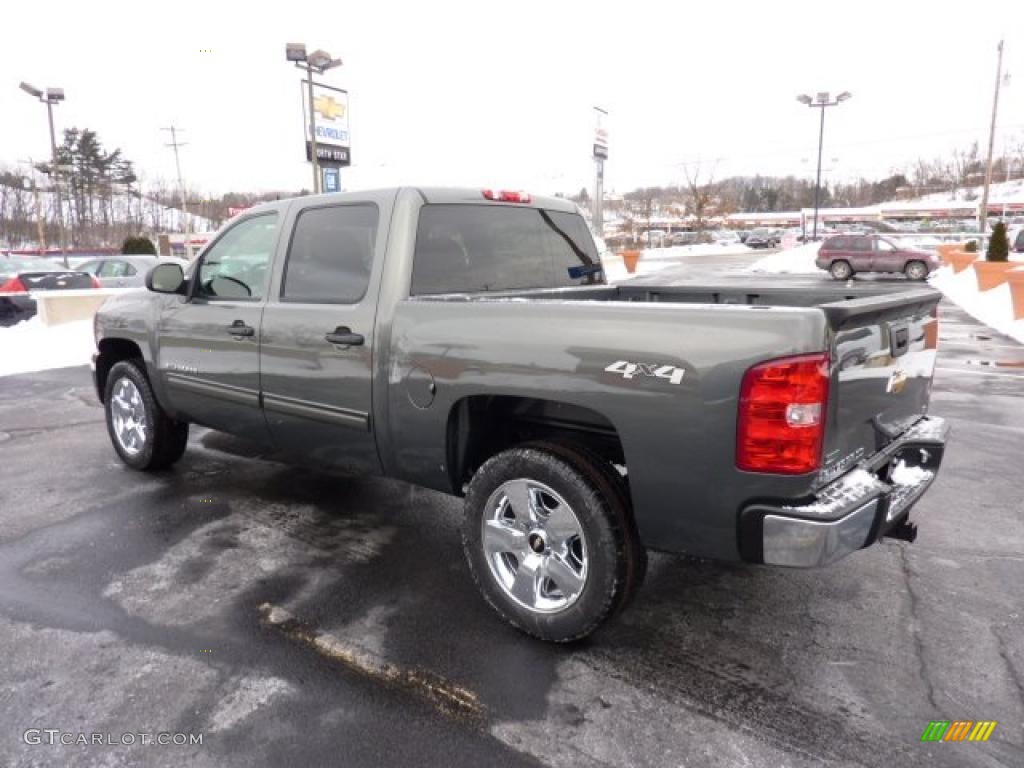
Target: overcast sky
501, 94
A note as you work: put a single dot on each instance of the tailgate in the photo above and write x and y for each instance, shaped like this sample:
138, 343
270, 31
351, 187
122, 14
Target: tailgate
883, 356
50, 281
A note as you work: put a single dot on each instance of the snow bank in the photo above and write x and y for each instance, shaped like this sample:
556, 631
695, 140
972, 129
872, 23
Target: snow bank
994, 307
795, 261
32, 346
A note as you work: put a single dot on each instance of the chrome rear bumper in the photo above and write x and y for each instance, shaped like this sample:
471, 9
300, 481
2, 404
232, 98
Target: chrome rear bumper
855, 510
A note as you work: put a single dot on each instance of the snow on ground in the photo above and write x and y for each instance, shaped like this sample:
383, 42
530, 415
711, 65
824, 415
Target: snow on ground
795, 261
653, 260
32, 346
993, 307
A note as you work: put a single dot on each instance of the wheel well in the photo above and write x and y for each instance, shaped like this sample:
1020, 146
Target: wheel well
112, 351
483, 425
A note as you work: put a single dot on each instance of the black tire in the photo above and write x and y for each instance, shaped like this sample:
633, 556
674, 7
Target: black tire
165, 439
840, 270
916, 270
613, 554
587, 460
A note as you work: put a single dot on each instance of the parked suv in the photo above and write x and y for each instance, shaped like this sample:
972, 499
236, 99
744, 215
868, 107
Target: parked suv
847, 254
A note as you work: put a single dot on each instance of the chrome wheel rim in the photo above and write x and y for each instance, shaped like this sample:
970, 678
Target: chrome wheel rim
841, 271
915, 271
128, 415
534, 546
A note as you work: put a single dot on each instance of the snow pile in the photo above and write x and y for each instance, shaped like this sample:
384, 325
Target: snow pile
795, 261
32, 346
993, 307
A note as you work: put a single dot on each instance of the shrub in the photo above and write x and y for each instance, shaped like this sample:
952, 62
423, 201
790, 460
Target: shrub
138, 245
998, 244
972, 246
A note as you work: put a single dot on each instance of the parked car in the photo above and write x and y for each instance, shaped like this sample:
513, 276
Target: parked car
21, 274
1016, 238
122, 271
466, 341
845, 255
725, 237
763, 238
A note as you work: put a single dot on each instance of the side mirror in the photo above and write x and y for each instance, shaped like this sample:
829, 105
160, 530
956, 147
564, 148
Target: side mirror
165, 278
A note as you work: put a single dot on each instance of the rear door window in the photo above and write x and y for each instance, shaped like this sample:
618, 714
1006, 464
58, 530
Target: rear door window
331, 254
479, 248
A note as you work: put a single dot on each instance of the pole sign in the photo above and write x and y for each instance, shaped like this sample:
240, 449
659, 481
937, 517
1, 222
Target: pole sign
327, 155
601, 143
330, 113
332, 180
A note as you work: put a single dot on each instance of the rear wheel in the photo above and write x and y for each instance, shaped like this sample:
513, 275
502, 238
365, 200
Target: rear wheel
916, 270
549, 542
841, 270
143, 435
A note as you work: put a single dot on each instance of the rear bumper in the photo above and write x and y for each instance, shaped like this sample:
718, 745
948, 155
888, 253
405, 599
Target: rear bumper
852, 512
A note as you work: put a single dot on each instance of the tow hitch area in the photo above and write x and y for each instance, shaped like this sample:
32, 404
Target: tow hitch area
905, 531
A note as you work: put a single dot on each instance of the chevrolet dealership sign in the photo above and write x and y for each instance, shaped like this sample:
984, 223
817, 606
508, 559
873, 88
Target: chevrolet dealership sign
330, 113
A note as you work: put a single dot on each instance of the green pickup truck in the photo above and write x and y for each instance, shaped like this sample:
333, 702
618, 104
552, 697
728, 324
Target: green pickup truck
466, 340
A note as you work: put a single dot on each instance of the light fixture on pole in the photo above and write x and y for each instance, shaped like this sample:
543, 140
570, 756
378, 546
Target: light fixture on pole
49, 97
821, 100
318, 61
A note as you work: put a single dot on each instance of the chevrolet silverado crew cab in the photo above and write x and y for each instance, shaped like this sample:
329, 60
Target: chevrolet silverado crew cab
466, 341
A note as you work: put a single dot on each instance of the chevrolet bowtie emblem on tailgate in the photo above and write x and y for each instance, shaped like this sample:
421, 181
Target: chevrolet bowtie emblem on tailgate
897, 380
328, 107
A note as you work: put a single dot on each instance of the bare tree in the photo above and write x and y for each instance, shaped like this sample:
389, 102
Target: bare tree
701, 194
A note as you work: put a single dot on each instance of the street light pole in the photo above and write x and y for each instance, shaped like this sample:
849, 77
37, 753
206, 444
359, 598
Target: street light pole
49, 98
312, 132
821, 101
817, 183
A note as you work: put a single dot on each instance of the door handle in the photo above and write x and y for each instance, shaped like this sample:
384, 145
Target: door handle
343, 335
239, 328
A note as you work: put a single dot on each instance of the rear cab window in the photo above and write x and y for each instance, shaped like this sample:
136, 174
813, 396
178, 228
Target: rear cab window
469, 248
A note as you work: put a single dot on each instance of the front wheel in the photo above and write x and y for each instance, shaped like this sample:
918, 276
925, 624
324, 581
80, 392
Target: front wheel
916, 270
143, 435
841, 270
549, 542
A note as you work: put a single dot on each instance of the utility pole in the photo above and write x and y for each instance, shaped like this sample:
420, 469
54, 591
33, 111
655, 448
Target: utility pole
983, 217
181, 185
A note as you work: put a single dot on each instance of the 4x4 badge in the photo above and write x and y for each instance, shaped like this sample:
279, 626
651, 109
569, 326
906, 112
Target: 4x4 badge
629, 370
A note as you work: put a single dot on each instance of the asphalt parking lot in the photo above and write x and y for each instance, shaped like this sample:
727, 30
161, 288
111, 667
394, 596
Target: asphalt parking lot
299, 618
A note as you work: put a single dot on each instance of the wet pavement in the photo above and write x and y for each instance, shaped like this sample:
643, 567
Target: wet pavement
294, 617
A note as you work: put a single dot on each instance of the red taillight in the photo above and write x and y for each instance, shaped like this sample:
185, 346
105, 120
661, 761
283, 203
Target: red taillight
782, 415
95, 283
505, 196
14, 285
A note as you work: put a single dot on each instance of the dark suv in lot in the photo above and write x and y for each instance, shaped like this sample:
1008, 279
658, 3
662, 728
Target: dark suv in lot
845, 255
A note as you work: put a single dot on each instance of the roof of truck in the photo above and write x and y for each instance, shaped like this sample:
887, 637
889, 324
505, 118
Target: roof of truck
429, 195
